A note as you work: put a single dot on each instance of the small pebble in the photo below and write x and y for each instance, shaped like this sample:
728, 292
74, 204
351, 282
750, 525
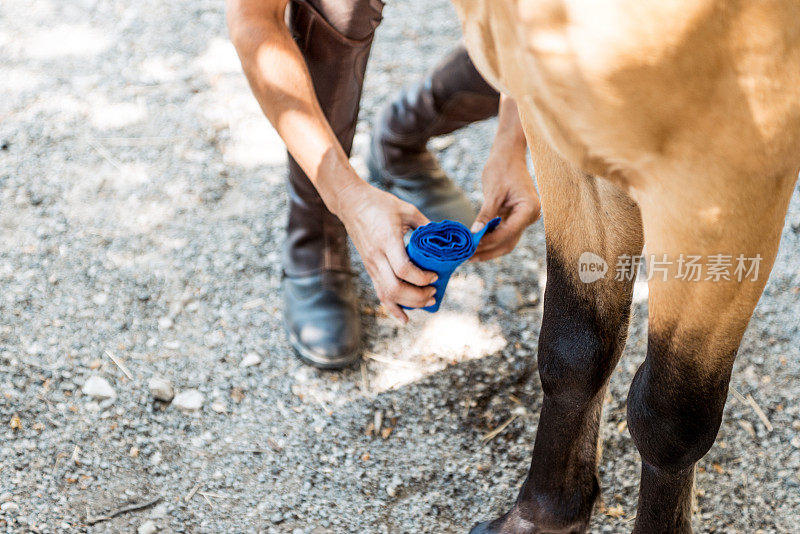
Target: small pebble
98, 387
148, 527
190, 399
9, 507
394, 486
161, 388
250, 360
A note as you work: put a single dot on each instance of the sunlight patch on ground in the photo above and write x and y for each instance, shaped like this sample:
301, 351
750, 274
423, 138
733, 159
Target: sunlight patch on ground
17, 80
219, 58
161, 69
236, 203
254, 143
66, 40
106, 115
68, 107
229, 104
431, 342
398, 356
108, 193
445, 339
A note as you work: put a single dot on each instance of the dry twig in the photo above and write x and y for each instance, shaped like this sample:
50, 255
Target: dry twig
759, 412
119, 364
119, 511
192, 492
750, 401
494, 433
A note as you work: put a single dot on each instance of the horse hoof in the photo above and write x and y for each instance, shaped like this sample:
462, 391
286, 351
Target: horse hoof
510, 523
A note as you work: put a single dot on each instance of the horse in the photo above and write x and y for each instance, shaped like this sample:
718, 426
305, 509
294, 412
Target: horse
669, 125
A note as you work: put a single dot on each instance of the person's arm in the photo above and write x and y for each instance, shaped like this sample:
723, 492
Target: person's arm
508, 189
375, 220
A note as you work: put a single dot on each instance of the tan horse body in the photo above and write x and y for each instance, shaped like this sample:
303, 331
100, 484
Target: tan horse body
671, 124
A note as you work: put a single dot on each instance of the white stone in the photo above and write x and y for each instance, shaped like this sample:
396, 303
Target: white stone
99, 388
250, 359
191, 399
148, 527
160, 511
161, 388
9, 507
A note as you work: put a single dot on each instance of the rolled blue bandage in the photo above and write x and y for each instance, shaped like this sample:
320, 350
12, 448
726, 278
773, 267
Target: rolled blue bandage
441, 247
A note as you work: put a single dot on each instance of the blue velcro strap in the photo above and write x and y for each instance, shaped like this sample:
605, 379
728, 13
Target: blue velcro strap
441, 247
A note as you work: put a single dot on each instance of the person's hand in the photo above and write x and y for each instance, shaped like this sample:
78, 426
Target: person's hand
376, 222
508, 192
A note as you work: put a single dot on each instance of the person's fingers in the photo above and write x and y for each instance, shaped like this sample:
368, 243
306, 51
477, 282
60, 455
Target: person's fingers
499, 235
395, 311
504, 238
391, 308
508, 227
405, 269
489, 210
412, 217
515, 220
394, 290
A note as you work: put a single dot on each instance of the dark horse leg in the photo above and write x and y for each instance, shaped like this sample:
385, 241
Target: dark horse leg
582, 336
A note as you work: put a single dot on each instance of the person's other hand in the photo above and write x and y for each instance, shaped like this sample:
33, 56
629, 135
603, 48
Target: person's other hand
508, 192
376, 222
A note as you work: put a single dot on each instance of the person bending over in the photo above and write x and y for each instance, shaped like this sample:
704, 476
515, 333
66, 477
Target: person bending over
306, 66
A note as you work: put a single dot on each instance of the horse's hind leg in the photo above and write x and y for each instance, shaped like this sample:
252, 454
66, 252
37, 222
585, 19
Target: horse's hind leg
583, 332
677, 396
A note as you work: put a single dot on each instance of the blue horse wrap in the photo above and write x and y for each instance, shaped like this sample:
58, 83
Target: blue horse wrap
441, 247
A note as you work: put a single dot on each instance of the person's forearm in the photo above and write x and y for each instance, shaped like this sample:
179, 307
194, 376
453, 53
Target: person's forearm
282, 85
510, 135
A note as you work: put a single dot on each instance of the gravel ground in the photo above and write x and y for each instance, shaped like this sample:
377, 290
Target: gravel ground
142, 214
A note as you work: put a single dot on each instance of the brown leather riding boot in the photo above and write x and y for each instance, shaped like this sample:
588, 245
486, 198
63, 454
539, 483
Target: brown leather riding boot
452, 96
321, 315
